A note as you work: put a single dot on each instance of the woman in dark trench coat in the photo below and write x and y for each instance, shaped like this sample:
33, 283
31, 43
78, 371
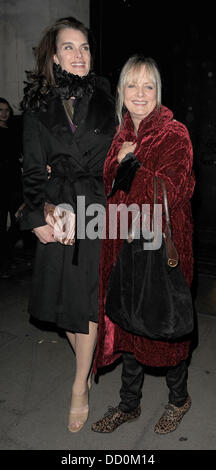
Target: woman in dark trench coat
68, 126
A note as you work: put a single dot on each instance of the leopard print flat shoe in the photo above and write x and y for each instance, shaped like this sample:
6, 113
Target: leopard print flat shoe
171, 417
114, 418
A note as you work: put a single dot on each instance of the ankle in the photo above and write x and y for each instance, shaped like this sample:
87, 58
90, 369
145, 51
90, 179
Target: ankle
80, 389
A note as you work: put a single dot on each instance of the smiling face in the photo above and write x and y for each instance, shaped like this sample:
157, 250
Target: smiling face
140, 95
73, 53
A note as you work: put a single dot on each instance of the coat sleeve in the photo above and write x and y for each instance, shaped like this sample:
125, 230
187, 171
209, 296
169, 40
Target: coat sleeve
172, 161
34, 173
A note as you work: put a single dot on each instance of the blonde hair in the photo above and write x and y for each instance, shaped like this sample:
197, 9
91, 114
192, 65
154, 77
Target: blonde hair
134, 64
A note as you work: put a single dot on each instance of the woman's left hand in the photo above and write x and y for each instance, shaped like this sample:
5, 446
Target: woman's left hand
126, 148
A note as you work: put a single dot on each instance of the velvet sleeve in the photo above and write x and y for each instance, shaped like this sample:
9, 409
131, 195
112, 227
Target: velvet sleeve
173, 163
34, 173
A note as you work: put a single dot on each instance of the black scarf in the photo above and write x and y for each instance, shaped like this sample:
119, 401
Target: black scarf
68, 85
37, 91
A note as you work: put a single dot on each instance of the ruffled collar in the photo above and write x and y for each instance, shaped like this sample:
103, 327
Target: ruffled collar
68, 85
38, 91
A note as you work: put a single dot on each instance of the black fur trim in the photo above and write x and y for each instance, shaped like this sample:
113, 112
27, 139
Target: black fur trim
68, 85
37, 90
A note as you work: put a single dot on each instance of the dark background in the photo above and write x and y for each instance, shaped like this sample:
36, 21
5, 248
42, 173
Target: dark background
182, 40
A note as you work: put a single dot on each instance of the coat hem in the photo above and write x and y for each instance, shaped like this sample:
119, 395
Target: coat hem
59, 325
144, 361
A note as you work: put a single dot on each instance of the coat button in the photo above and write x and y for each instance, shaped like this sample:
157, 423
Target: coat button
97, 131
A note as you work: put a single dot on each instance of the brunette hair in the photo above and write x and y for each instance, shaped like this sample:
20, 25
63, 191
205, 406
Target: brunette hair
4, 101
10, 117
42, 78
133, 65
47, 47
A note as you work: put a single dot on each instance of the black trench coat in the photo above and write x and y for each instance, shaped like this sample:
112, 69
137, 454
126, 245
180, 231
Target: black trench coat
65, 291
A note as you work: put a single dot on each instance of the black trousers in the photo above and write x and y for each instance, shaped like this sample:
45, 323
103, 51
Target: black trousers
132, 382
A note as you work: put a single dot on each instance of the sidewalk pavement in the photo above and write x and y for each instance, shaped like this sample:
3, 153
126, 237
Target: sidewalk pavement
37, 367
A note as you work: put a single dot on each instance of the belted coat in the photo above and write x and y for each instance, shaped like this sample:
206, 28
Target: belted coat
64, 292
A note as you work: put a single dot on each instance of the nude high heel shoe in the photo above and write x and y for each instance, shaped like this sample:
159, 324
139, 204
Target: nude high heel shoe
78, 412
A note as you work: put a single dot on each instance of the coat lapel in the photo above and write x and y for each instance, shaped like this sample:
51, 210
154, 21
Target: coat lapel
56, 121
100, 114
93, 114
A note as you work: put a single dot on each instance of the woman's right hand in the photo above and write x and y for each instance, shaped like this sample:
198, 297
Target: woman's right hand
45, 234
48, 167
126, 148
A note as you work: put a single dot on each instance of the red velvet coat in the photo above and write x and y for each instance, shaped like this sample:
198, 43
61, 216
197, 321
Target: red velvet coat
164, 149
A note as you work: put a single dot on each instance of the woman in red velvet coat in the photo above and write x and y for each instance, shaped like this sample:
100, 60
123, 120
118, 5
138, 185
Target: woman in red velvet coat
149, 135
